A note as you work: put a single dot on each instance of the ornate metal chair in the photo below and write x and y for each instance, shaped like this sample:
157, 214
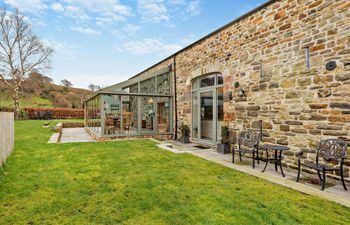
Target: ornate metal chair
329, 150
248, 143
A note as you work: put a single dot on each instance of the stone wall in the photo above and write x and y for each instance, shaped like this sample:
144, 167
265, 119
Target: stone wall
266, 53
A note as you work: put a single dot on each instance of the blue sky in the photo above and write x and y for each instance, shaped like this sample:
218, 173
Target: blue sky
107, 41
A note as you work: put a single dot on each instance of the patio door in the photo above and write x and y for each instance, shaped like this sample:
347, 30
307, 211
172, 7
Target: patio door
207, 116
207, 108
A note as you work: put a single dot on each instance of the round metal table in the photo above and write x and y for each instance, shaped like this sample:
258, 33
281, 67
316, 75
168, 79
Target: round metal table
277, 160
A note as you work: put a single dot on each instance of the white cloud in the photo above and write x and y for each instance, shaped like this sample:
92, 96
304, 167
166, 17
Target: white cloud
160, 11
58, 7
76, 13
194, 7
150, 46
105, 11
38, 22
131, 30
153, 10
86, 30
63, 50
27, 5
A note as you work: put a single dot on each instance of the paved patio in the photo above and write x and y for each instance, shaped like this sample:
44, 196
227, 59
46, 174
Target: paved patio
71, 135
333, 191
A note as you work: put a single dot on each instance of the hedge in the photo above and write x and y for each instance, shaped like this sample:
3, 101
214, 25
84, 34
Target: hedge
6, 109
54, 113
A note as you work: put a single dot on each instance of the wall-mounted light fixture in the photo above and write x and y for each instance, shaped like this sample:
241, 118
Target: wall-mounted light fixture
331, 65
241, 92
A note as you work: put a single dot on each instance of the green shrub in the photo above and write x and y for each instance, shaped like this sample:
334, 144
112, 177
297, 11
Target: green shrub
185, 130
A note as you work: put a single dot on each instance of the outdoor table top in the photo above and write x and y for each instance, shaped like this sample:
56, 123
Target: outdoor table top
275, 147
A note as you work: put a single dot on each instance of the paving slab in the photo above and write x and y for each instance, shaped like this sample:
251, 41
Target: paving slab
54, 138
72, 135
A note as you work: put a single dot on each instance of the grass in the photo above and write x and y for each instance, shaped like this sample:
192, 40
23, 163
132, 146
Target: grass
134, 182
29, 101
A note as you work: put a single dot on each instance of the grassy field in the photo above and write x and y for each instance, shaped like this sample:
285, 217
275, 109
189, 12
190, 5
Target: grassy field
134, 182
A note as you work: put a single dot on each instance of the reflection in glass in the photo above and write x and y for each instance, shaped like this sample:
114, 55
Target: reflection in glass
148, 86
208, 81
134, 88
220, 111
93, 113
220, 79
112, 107
163, 84
163, 115
194, 116
129, 116
207, 117
147, 114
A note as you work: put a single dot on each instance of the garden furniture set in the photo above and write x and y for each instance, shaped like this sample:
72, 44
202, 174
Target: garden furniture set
329, 154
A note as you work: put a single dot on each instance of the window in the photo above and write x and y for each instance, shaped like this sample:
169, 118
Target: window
163, 84
220, 79
94, 114
112, 107
163, 115
147, 114
148, 86
207, 81
129, 116
132, 88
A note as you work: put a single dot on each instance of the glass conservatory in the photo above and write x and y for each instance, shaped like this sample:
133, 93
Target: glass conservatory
140, 106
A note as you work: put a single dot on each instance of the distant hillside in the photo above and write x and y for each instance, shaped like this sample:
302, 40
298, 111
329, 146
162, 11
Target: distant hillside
26, 101
39, 92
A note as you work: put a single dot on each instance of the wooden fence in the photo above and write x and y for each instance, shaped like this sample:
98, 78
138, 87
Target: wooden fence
7, 132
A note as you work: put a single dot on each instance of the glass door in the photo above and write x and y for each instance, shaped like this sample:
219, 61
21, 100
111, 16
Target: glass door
195, 116
207, 116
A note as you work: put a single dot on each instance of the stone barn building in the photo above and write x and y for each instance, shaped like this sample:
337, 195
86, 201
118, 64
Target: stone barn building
285, 63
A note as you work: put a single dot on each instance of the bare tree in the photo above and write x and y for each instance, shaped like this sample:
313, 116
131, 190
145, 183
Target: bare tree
66, 83
36, 83
94, 87
21, 52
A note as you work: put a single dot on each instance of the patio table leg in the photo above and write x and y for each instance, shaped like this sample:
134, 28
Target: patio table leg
276, 160
280, 162
267, 160
342, 176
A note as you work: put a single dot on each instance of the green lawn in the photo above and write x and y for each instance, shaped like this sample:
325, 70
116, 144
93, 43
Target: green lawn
134, 182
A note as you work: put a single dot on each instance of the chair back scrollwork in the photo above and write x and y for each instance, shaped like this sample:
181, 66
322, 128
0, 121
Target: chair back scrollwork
331, 150
249, 138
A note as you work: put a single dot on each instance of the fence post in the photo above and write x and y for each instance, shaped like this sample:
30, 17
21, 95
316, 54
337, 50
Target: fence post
7, 131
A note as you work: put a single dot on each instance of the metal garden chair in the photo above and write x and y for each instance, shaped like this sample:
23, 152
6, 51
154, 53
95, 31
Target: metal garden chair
248, 143
329, 150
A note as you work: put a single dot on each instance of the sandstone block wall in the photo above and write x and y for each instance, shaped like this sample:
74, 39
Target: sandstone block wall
266, 52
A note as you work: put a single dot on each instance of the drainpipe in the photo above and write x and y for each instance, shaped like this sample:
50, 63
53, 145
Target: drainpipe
261, 130
175, 97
